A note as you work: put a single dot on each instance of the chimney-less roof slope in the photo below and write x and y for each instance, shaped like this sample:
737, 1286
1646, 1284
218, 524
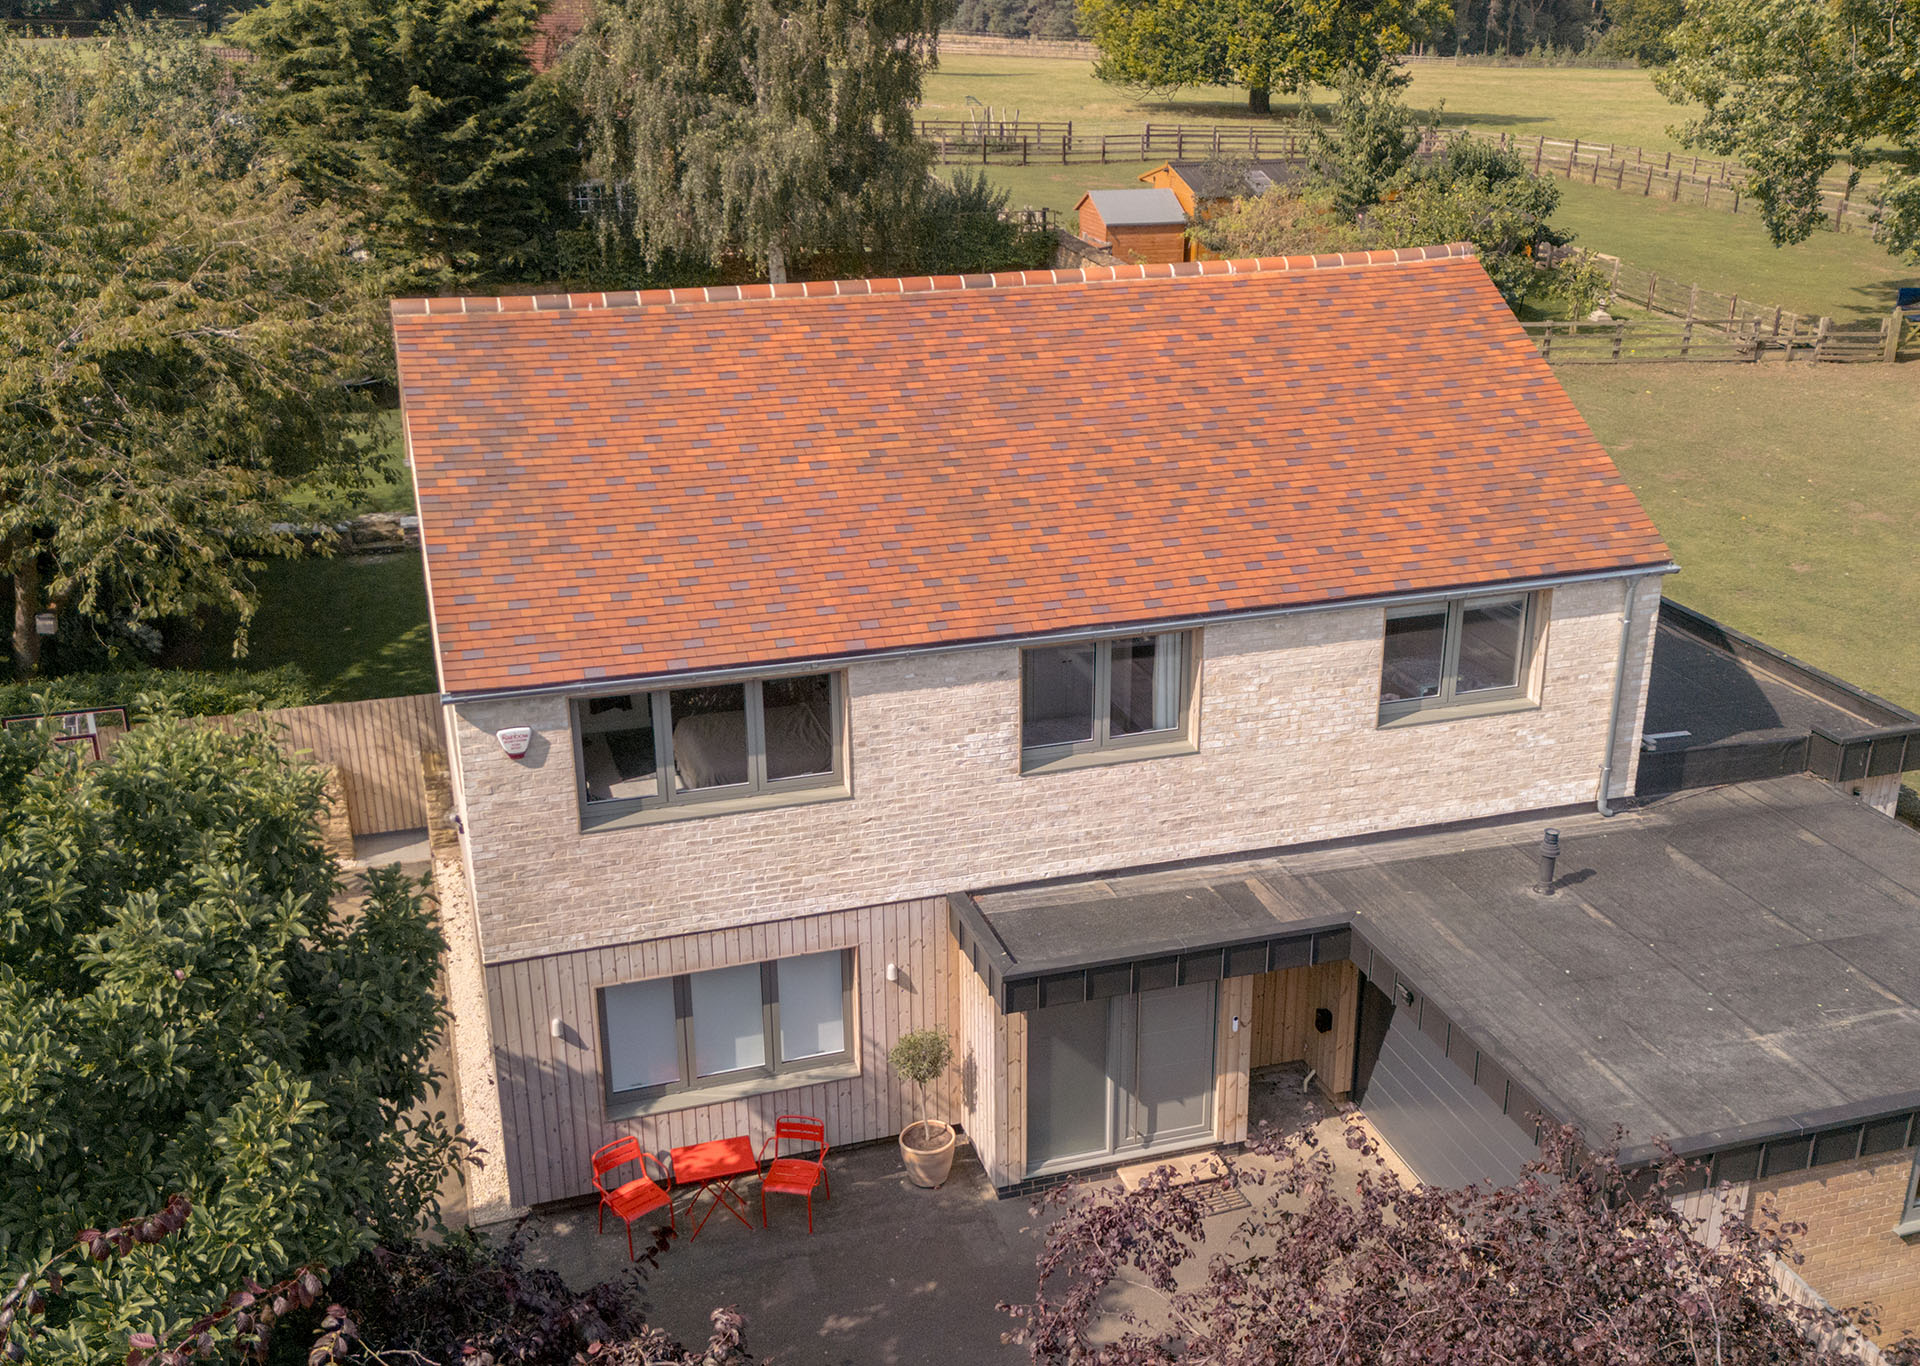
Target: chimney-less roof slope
1136, 208
616, 486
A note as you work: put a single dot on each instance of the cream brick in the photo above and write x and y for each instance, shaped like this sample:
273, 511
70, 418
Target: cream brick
1289, 751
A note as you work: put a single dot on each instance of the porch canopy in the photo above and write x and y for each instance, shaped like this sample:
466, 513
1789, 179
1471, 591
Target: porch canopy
1734, 968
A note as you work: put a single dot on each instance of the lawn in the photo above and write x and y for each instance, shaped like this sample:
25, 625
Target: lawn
1059, 187
1788, 497
355, 624
391, 489
1845, 275
1617, 106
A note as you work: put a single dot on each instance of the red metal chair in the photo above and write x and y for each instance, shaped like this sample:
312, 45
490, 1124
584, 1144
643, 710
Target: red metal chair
644, 1193
795, 1175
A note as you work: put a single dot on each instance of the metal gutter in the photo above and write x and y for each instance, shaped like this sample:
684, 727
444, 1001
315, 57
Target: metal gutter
627, 683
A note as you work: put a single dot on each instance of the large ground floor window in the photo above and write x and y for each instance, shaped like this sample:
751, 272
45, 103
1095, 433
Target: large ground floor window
1131, 1074
716, 1029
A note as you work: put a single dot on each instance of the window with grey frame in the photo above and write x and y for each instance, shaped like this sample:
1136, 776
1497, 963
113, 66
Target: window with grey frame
1442, 656
710, 742
1910, 1209
749, 1022
1110, 694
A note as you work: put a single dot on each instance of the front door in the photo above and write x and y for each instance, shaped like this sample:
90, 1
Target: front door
1129, 1075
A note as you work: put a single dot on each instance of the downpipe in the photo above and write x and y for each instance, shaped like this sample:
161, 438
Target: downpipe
1619, 693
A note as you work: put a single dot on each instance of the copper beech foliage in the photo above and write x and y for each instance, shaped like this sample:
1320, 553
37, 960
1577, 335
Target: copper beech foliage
1575, 1263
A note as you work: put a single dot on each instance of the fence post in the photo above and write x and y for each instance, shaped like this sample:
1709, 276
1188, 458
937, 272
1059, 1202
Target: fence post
1693, 301
1539, 150
1733, 311
1736, 199
1686, 337
1653, 287
1023, 150
1895, 321
1676, 188
1619, 335
1820, 339
1649, 190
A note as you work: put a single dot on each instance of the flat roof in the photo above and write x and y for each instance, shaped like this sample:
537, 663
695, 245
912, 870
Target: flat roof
628, 486
1136, 208
1715, 967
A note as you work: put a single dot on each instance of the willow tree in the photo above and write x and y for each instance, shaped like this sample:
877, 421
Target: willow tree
763, 130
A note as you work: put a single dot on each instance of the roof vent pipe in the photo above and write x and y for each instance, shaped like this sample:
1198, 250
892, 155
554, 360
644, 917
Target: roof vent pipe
1549, 853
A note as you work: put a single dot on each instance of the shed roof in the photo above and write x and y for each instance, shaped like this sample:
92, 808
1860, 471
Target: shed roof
1136, 208
1227, 178
619, 486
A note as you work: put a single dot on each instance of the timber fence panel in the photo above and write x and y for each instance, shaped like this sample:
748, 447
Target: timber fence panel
375, 745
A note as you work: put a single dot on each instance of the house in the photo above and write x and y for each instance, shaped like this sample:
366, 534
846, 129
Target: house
1146, 226
1031, 657
556, 25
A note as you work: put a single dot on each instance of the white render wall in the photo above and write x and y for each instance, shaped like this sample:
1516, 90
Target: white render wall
1289, 751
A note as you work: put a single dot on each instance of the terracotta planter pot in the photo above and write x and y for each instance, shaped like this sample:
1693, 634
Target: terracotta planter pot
929, 1158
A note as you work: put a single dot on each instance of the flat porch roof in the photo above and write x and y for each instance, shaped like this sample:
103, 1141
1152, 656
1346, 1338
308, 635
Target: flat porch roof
1720, 966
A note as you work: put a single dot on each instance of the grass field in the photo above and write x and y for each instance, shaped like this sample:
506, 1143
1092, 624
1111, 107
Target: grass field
1617, 106
1843, 274
356, 625
1787, 495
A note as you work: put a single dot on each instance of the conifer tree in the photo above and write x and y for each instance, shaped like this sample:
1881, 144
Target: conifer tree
424, 120
758, 129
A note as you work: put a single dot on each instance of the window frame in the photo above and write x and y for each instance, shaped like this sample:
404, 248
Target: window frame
1449, 701
1910, 1208
775, 1073
1103, 746
757, 791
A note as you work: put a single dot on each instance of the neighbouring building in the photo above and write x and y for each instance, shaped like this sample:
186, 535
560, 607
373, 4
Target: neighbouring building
1138, 226
1145, 674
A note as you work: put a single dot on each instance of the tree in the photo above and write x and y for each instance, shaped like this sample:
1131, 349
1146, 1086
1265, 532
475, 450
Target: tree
1295, 222
1792, 88
1577, 1262
761, 130
963, 228
1262, 45
183, 333
1473, 191
181, 1011
1372, 139
422, 121
1642, 30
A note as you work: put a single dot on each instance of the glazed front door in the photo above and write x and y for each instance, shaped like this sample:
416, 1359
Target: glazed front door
1129, 1075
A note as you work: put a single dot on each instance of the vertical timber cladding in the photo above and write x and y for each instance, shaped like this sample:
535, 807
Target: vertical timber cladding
552, 1089
1283, 1008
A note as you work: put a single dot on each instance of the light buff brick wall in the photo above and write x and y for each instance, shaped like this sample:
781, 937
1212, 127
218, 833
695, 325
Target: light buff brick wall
1290, 751
1852, 1254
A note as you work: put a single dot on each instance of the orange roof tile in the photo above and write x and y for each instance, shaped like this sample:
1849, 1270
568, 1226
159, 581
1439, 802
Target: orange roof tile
624, 485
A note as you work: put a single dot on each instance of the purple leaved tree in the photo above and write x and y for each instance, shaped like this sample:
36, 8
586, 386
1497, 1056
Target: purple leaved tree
1577, 1262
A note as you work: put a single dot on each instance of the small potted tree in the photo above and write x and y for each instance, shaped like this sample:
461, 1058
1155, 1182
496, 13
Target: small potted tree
922, 1056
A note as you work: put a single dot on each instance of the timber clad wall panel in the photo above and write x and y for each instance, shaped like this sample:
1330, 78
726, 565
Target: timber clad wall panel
1282, 1006
1231, 1055
376, 746
1154, 245
553, 1092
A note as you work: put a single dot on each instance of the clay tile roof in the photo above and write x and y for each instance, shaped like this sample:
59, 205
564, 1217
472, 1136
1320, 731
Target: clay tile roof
624, 485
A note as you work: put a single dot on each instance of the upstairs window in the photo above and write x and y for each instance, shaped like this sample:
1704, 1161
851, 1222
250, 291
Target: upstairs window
1456, 655
721, 742
1114, 695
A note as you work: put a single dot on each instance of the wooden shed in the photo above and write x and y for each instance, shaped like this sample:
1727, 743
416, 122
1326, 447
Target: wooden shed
1146, 226
1207, 188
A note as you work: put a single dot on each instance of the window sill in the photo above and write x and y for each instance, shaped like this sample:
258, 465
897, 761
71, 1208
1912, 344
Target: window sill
760, 1085
1907, 1228
591, 819
1118, 754
1428, 715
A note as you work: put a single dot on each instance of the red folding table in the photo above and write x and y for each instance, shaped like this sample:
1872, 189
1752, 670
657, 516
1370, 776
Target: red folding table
712, 1166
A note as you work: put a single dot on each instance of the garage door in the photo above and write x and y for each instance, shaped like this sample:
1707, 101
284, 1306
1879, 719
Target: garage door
1444, 1126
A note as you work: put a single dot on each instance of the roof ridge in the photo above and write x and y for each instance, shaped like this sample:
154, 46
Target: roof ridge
453, 305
